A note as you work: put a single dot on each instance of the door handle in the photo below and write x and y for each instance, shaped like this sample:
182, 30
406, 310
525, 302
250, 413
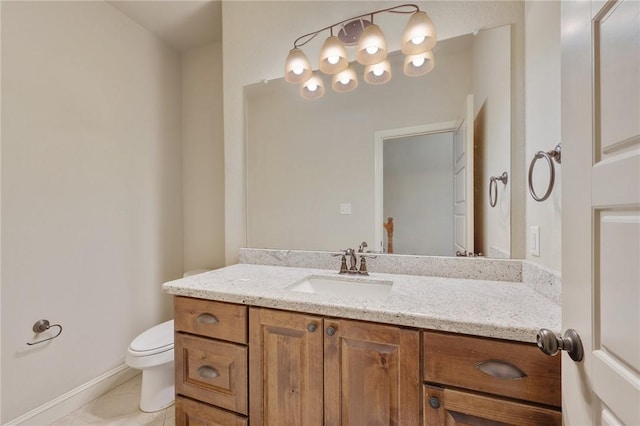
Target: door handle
551, 344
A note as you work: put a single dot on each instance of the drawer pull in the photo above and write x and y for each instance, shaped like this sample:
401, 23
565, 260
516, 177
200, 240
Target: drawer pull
501, 370
208, 372
207, 319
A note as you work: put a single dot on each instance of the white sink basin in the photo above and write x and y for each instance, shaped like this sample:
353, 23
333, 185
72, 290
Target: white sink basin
343, 286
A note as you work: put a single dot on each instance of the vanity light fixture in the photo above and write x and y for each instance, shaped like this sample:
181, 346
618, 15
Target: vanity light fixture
418, 38
420, 64
378, 73
313, 88
345, 81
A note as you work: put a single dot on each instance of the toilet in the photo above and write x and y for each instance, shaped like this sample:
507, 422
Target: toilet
152, 352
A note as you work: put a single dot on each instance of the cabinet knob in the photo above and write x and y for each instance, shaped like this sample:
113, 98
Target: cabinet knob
331, 331
434, 403
312, 327
551, 344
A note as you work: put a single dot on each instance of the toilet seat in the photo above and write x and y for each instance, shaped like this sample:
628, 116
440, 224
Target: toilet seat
155, 340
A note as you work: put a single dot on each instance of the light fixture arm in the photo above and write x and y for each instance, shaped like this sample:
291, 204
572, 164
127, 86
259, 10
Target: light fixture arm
304, 39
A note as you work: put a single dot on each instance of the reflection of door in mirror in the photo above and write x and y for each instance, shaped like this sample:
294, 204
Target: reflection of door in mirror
463, 181
424, 180
418, 177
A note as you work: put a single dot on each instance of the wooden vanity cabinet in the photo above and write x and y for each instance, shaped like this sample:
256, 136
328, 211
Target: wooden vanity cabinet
211, 362
235, 364
474, 380
369, 372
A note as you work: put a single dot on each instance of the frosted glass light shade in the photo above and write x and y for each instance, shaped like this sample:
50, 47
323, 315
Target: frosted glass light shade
297, 68
419, 35
345, 81
420, 64
312, 88
333, 56
378, 73
372, 47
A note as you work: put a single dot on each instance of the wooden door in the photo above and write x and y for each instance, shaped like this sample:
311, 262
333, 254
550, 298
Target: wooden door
285, 362
601, 209
463, 180
371, 374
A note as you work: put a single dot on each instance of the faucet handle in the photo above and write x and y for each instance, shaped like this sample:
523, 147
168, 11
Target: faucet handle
367, 255
363, 265
343, 261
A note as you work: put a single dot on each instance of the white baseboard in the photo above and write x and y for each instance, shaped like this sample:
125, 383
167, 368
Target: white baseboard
74, 399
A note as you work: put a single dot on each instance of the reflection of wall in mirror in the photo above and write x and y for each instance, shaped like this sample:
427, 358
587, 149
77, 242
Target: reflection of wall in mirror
492, 136
305, 158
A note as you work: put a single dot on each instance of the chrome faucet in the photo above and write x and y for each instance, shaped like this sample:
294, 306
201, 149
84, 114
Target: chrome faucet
363, 245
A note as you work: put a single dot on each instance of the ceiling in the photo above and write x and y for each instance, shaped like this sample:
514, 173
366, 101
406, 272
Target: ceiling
182, 24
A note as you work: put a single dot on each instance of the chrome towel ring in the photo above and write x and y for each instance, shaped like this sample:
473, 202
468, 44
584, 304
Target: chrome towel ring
42, 326
556, 155
493, 187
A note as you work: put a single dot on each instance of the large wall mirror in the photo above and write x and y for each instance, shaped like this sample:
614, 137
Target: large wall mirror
313, 170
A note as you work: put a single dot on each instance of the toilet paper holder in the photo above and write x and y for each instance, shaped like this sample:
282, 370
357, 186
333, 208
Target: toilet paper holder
41, 326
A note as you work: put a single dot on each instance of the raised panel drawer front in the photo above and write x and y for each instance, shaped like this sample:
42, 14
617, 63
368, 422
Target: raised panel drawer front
213, 319
512, 369
453, 407
193, 413
212, 371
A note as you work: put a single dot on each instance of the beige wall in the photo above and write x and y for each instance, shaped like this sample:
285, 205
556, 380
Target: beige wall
0, 218
203, 158
91, 191
281, 23
542, 46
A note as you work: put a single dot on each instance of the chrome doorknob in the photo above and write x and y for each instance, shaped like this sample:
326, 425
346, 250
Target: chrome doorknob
551, 344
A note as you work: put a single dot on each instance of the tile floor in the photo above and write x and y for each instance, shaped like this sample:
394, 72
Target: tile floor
118, 407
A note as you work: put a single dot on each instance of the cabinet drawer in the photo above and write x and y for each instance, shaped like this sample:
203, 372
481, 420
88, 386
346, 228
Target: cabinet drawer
189, 412
452, 407
212, 371
213, 319
516, 370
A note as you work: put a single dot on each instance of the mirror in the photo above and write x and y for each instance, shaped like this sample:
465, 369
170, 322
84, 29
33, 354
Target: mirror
311, 179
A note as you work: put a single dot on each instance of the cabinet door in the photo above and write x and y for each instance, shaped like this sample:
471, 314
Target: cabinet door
371, 374
452, 407
285, 359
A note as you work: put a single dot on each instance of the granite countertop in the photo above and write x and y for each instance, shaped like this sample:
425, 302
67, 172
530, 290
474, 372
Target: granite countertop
499, 309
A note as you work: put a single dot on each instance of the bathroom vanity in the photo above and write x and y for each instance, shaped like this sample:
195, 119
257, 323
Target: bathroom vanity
255, 344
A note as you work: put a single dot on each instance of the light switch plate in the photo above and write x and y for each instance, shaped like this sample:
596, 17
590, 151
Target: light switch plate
345, 208
534, 240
